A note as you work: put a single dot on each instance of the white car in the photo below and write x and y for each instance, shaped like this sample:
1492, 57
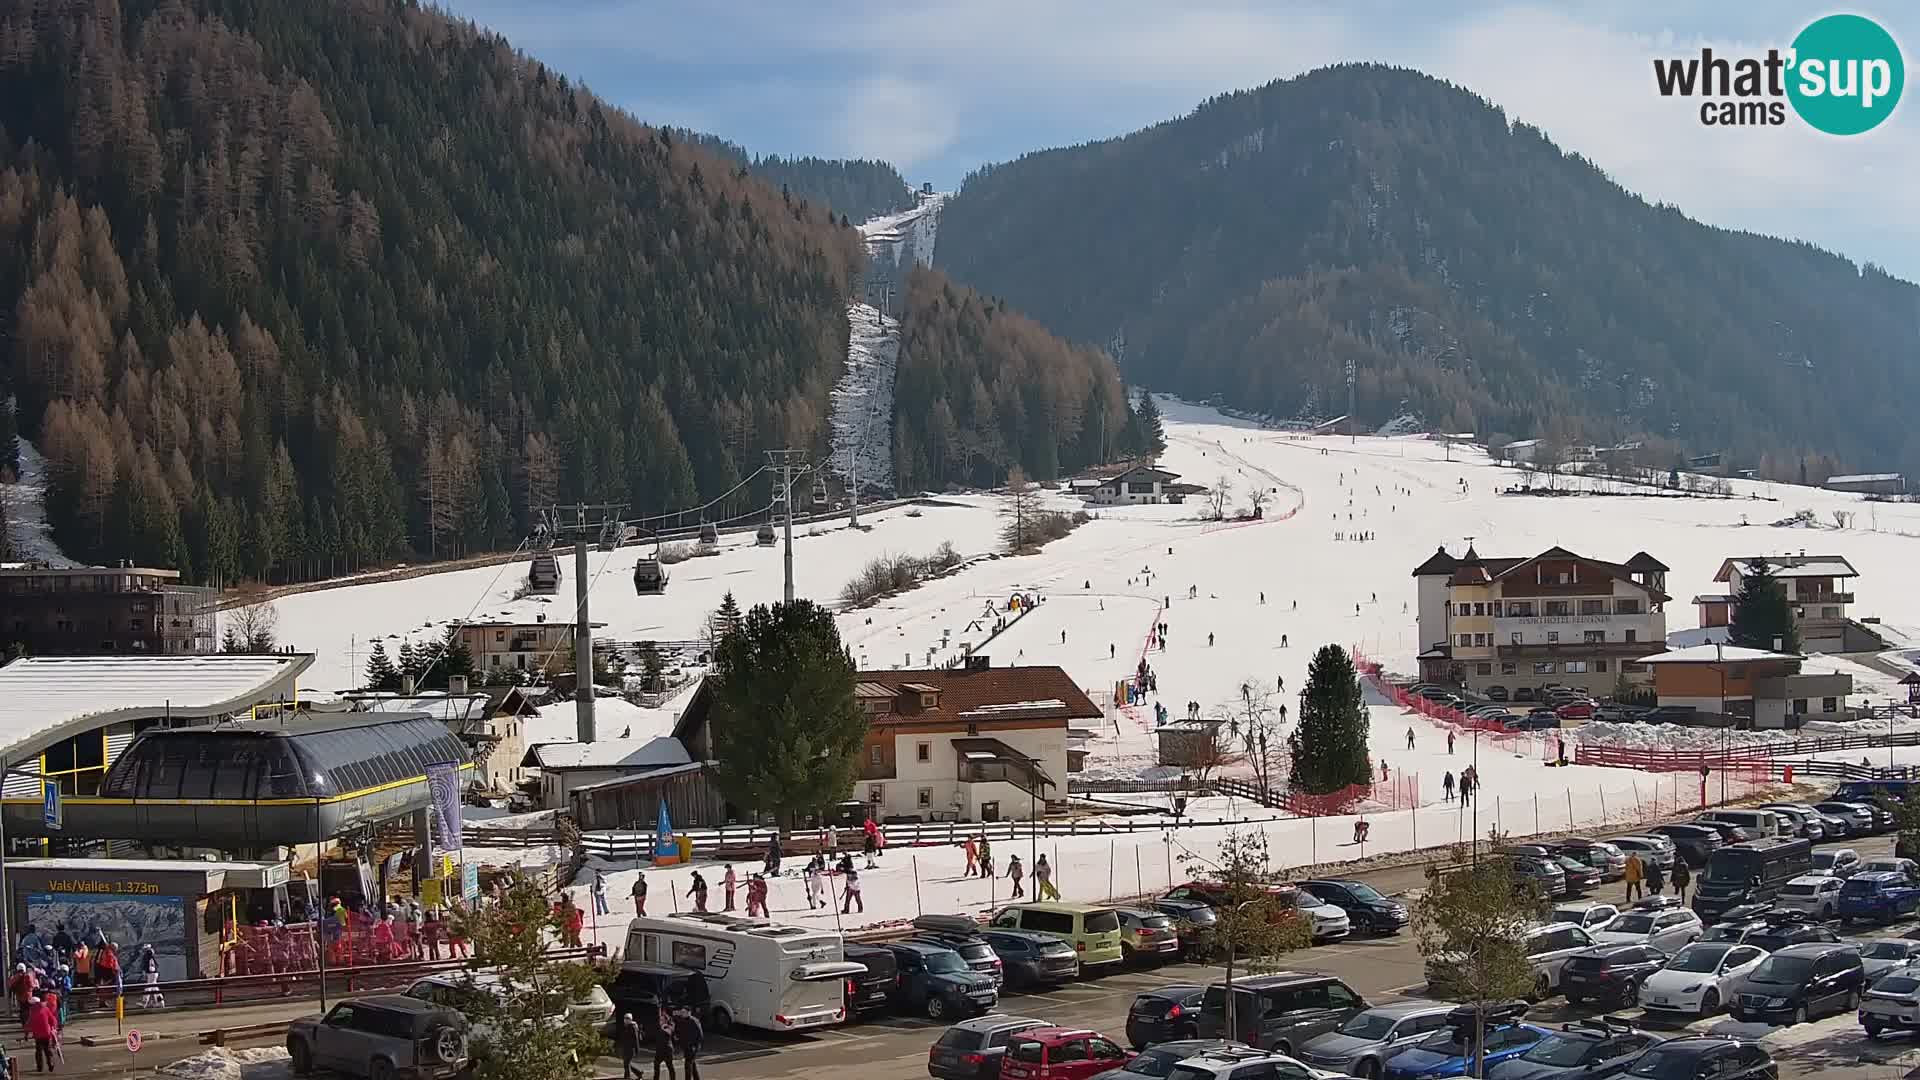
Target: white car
1587, 914
1668, 930
1234, 1062
1893, 1002
1657, 850
1879, 957
1816, 894
1329, 923
1699, 980
1837, 862
594, 1009
1892, 866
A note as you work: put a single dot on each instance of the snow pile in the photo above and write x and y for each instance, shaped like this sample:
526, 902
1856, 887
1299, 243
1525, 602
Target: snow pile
220, 1063
862, 418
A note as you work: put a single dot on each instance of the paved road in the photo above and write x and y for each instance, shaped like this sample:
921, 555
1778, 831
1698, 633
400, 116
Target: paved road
895, 1048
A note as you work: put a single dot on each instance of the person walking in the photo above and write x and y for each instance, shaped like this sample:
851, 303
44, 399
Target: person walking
973, 856
1634, 874
1681, 878
1043, 880
774, 855
1014, 874
600, 894
816, 867
689, 1034
663, 1043
850, 884
729, 881
43, 1029
1656, 881
1446, 786
149, 968
430, 932
640, 893
1409, 736
699, 891
627, 1037
1449, 742
986, 856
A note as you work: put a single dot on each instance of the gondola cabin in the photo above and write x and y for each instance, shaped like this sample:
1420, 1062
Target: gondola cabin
764, 535
709, 534
649, 577
543, 575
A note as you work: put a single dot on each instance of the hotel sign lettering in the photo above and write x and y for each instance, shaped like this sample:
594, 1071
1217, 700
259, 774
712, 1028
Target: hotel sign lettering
1556, 620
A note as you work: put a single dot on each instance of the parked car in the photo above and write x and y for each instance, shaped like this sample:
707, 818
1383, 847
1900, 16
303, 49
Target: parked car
1330, 922
1859, 818
1368, 910
871, 992
1445, 1052
1692, 844
1728, 832
1057, 1053
1588, 914
1548, 948
1230, 1062
962, 934
1612, 712
1602, 856
1800, 982
1540, 719
1705, 1057
1654, 850
1609, 973
1581, 878
592, 1007
1165, 1014
1157, 1061
1523, 693
1698, 980
1892, 1002
1585, 1048
1786, 928
1807, 821
1671, 714
1545, 876
384, 1037
974, 1049
641, 988
1146, 936
1667, 928
1815, 894
1496, 692
1358, 1046
1279, 1011
1195, 923
1906, 868
1839, 862
1030, 959
1878, 895
934, 980
1881, 956
1740, 923
1575, 710
1092, 929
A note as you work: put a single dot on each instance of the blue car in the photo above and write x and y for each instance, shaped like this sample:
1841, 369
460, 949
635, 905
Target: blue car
1444, 1053
1880, 895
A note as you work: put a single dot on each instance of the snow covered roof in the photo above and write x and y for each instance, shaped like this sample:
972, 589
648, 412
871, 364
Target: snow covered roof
1790, 566
1714, 598
1710, 654
47, 698
636, 753
1864, 478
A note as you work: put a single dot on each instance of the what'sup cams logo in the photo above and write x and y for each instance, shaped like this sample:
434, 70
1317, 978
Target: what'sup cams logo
1842, 75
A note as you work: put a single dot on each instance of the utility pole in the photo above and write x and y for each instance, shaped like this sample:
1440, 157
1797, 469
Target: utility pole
583, 704
1353, 433
789, 464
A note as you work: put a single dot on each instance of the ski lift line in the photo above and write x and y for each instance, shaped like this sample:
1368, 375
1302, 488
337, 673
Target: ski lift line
702, 508
441, 648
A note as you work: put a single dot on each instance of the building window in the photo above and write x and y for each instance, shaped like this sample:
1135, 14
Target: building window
1632, 636
1576, 667
874, 754
1557, 607
1516, 637
1593, 607
1479, 609
925, 797
1553, 636
1799, 706
1627, 605
1481, 640
499, 636
923, 752
1508, 667
1600, 667
1545, 667
1466, 641
1484, 669
1631, 667
1828, 704
1595, 637
1520, 609
1829, 612
876, 793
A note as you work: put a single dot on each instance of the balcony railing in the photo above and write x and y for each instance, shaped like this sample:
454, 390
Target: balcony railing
1629, 649
1809, 599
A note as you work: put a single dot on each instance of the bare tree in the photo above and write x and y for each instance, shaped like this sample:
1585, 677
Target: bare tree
1218, 496
1548, 455
1257, 499
251, 629
1021, 509
1253, 723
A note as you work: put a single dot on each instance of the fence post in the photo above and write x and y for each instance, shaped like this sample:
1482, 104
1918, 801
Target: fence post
1603, 800
1536, 813
917, 910
1569, 808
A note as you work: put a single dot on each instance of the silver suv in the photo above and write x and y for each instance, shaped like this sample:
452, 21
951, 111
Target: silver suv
387, 1037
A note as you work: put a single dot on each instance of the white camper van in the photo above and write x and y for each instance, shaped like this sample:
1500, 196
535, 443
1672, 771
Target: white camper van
758, 973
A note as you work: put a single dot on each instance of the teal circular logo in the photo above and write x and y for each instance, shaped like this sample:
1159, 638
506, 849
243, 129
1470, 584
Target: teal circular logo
1847, 74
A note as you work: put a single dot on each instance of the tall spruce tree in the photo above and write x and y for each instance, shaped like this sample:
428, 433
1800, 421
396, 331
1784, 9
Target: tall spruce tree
1329, 739
786, 731
1762, 617
1153, 430
381, 674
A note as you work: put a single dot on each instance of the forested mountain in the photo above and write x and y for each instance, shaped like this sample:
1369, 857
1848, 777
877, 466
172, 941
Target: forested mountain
858, 189
292, 288
1471, 271
980, 388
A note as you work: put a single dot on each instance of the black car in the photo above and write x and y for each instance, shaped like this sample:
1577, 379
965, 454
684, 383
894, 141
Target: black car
1800, 982
973, 1049
1537, 720
1028, 958
1620, 714
1609, 973
1496, 693
1726, 831
1786, 928
1737, 924
1692, 843
1581, 877
961, 934
1164, 1014
1195, 920
641, 989
935, 981
1369, 910
1705, 1057
1671, 714
1597, 1047
873, 991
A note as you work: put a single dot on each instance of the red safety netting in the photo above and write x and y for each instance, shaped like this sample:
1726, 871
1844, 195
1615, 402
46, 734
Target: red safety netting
266, 950
1399, 792
1513, 742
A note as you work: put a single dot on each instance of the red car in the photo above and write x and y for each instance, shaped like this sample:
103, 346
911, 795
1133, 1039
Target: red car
1575, 710
1052, 1053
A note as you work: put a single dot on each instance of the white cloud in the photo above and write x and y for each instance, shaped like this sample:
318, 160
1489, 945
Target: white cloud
894, 119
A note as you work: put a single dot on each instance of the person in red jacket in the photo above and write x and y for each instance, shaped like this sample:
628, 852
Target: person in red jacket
43, 1029
22, 986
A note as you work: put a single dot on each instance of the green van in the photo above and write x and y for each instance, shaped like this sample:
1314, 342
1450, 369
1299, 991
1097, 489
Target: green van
1093, 931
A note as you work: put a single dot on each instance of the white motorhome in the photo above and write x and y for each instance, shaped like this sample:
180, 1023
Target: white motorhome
758, 973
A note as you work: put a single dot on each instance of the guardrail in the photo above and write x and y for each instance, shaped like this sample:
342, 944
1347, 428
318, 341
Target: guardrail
638, 843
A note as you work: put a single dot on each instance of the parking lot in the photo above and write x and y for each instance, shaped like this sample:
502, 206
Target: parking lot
895, 1048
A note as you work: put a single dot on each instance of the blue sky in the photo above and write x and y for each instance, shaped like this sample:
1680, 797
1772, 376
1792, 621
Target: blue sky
939, 87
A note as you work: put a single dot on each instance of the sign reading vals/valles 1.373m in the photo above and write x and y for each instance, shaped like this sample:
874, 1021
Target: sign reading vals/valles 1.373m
128, 888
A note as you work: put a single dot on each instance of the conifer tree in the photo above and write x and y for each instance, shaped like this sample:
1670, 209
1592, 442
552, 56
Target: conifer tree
381, 674
1329, 739
1762, 617
1153, 430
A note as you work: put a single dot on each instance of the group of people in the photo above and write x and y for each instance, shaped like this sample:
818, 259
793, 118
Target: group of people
1469, 781
1645, 878
394, 931
979, 852
676, 1029
47, 971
